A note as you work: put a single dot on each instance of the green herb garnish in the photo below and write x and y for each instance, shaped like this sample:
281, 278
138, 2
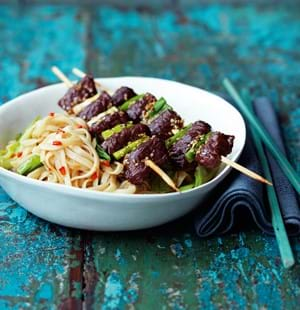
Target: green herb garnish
101, 153
159, 106
118, 128
191, 153
169, 142
186, 187
126, 105
129, 147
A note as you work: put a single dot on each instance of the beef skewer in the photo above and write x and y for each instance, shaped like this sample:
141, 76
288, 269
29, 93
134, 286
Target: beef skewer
99, 109
211, 154
143, 151
209, 150
96, 128
154, 128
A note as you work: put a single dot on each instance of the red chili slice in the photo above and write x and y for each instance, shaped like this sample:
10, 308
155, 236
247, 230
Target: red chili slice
62, 170
94, 176
19, 154
106, 163
57, 143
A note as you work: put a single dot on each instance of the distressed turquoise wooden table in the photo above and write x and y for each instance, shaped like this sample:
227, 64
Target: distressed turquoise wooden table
46, 266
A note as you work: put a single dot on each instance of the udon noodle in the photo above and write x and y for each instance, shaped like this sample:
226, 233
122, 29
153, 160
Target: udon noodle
68, 156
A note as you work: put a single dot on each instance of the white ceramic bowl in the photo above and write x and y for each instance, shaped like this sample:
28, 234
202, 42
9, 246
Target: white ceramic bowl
108, 211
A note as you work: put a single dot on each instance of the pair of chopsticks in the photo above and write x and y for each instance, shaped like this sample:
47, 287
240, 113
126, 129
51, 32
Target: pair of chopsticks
260, 135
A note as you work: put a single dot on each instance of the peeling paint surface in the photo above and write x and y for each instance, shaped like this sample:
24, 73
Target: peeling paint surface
35, 260
46, 266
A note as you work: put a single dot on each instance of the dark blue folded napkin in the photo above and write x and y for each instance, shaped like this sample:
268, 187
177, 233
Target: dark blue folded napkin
286, 194
239, 198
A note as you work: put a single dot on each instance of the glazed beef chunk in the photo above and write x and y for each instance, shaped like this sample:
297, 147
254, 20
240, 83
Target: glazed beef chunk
163, 125
217, 145
100, 105
122, 94
136, 171
78, 93
109, 121
177, 150
136, 111
121, 139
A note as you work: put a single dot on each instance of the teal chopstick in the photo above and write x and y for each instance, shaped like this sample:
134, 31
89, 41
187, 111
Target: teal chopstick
283, 243
265, 136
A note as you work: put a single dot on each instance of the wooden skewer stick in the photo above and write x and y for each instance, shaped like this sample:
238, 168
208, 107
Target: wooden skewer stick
82, 74
76, 109
245, 171
61, 76
78, 72
161, 173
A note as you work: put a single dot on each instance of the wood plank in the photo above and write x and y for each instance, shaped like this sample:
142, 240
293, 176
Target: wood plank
40, 262
170, 267
177, 270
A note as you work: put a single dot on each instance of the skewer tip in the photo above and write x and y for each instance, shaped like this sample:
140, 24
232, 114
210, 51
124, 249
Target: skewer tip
267, 182
54, 69
245, 170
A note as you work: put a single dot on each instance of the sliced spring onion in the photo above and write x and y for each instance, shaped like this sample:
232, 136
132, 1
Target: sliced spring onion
11, 149
129, 147
164, 108
118, 128
5, 163
177, 136
201, 175
191, 153
159, 106
27, 132
7, 154
29, 165
126, 105
186, 187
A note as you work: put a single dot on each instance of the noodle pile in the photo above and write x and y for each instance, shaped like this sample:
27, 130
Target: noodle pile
68, 156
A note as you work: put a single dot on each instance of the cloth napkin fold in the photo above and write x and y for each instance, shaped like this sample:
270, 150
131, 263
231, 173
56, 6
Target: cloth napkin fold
239, 198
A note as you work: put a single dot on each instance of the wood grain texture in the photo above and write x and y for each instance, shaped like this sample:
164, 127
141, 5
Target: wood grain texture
39, 261
198, 44
47, 266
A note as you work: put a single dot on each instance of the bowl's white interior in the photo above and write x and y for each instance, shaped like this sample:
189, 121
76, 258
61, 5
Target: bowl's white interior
82, 208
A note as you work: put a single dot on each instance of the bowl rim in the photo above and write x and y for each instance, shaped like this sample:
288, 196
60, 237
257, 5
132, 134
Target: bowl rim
82, 192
